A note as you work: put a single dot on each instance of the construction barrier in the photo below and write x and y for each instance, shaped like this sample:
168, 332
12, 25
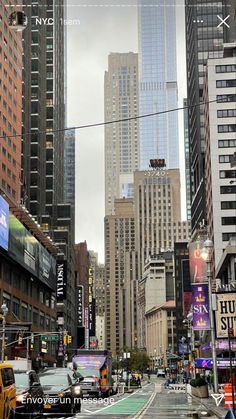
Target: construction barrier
228, 395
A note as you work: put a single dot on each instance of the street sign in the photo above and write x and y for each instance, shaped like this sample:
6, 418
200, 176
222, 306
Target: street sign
50, 338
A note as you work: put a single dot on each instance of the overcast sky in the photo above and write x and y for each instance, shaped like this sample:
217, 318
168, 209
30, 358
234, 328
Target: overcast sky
96, 32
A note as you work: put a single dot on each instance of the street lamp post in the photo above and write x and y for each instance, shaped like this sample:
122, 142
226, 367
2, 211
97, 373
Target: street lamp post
154, 360
206, 255
5, 311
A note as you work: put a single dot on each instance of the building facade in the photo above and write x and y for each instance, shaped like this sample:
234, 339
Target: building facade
27, 284
161, 332
120, 277
43, 111
220, 135
69, 167
157, 83
183, 292
203, 40
187, 162
157, 224
121, 140
81, 275
10, 106
43, 123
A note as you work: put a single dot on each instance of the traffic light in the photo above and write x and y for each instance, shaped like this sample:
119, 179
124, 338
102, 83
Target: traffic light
65, 339
69, 339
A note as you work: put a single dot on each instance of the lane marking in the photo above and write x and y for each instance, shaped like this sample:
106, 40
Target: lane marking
146, 406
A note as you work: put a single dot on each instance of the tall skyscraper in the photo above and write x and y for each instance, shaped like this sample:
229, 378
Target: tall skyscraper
158, 82
43, 122
204, 39
43, 110
121, 140
157, 225
10, 106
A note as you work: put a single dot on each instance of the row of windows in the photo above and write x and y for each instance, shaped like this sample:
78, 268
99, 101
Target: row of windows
9, 172
227, 128
7, 188
228, 221
227, 158
226, 113
228, 236
226, 143
226, 98
228, 205
228, 68
227, 174
226, 83
228, 189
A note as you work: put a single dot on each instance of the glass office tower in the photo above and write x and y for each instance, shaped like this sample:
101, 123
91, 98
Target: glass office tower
158, 82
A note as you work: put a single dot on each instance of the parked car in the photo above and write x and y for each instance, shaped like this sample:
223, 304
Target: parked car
7, 391
29, 395
161, 372
62, 392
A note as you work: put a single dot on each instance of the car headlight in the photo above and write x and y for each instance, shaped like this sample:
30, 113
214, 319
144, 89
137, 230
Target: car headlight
64, 393
77, 389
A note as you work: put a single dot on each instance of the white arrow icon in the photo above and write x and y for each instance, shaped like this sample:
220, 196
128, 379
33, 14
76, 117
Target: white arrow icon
218, 398
223, 21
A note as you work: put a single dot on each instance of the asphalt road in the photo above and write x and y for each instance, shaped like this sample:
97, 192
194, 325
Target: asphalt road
149, 402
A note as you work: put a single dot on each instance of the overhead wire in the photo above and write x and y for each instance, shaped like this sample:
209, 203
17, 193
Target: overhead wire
104, 123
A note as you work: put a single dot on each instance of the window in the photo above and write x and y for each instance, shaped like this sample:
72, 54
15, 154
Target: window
226, 143
227, 174
228, 236
228, 221
7, 377
226, 158
228, 205
226, 113
228, 189
229, 68
226, 98
227, 128
226, 83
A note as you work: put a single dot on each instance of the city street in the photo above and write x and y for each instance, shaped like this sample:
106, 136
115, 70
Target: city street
149, 402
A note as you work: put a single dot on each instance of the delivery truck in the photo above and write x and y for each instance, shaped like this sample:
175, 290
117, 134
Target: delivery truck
96, 368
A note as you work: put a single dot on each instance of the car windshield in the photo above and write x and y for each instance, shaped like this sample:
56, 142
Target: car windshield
21, 380
54, 379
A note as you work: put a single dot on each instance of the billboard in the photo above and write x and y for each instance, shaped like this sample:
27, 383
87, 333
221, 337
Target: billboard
4, 223
80, 305
200, 305
183, 347
25, 249
197, 266
225, 314
61, 275
47, 266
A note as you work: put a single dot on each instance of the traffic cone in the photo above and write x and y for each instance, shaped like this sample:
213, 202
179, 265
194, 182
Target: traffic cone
230, 414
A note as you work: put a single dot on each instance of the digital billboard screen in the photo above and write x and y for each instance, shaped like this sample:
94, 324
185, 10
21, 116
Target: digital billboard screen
4, 223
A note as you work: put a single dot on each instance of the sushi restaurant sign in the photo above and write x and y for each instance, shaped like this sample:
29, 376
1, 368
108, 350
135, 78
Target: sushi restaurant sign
225, 314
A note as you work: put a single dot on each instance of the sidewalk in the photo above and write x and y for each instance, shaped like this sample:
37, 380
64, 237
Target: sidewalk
210, 405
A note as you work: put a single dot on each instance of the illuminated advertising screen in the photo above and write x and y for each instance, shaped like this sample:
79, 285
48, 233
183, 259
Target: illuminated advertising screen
4, 223
200, 304
197, 265
25, 249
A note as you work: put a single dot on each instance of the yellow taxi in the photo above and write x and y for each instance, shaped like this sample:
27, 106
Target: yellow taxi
7, 391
